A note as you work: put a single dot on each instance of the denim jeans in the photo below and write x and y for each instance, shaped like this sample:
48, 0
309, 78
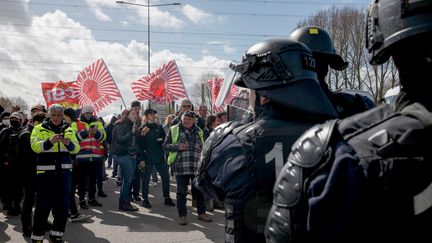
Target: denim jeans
182, 186
115, 165
127, 165
162, 168
110, 159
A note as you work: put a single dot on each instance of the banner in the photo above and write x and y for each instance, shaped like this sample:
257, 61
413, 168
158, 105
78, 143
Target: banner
215, 86
96, 87
60, 92
164, 85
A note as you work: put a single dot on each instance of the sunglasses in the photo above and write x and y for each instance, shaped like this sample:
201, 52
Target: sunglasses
186, 106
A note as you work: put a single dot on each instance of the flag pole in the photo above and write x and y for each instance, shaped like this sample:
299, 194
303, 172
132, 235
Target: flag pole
184, 87
121, 96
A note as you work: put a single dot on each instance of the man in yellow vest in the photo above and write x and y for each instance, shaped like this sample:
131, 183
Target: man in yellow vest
54, 142
184, 143
91, 134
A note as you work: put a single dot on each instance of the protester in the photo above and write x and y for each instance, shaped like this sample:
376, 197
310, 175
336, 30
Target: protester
27, 165
221, 117
70, 117
136, 181
125, 136
202, 115
184, 143
168, 123
109, 130
91, 134
186, 105
53, 141
151, 139
9, 158
210, 124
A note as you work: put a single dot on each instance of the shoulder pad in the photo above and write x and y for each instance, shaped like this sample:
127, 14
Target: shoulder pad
309, 149
217, 136
222, 130
288, 186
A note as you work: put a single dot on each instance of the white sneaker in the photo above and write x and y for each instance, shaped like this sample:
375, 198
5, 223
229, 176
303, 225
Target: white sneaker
153, 184
80, 218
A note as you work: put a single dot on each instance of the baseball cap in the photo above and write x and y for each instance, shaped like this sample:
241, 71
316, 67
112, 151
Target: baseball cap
149, 111
191, 114
16, 115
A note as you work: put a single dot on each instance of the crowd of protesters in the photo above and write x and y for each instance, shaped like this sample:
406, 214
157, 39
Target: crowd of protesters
58, 154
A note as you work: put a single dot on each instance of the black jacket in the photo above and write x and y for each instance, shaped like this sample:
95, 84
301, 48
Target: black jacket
9, 145
151, 143
123, 139
27, 157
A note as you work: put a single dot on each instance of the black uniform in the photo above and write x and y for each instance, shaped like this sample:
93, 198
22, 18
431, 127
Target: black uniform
321, 45
240, 162
368, 178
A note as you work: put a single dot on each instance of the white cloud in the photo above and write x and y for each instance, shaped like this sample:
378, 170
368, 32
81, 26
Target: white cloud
225, 46
124, 23
56, 47
200, 17
196, 15
101, 16
14, 12
228, 49
159, 18
95, 7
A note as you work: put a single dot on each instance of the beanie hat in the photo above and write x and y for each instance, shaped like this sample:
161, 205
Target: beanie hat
87, 108
71, 114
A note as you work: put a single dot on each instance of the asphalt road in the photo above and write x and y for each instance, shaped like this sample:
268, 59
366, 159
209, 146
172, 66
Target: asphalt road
158, 224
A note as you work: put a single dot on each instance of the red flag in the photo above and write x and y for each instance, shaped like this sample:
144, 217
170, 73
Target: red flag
161, 86
60, 92
215, 86
96, 87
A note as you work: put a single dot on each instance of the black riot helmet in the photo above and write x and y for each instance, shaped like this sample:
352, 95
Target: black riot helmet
319, 41
283, 70
390, 21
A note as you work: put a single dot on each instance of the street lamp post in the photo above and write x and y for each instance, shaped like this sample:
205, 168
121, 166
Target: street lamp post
148, 23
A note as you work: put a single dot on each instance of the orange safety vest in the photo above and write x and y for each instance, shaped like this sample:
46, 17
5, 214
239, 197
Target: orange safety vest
90, 144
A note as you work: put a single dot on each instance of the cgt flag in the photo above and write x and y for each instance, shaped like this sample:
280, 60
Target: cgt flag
164, 85
60, 92
96, 87
215, 85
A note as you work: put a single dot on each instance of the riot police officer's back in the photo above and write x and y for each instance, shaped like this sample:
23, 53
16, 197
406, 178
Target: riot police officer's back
321, 45
239, 162
368, 178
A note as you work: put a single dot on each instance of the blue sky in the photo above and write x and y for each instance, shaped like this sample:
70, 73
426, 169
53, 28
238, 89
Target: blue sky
46, 40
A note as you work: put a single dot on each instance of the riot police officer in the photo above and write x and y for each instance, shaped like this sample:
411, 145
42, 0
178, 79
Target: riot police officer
321, 45
368, 178
239, 162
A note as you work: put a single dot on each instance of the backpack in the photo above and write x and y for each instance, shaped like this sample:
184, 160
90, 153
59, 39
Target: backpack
384, 192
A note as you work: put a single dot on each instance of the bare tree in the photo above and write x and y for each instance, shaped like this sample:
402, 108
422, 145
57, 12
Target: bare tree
201, 92
9, 102
347, 27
